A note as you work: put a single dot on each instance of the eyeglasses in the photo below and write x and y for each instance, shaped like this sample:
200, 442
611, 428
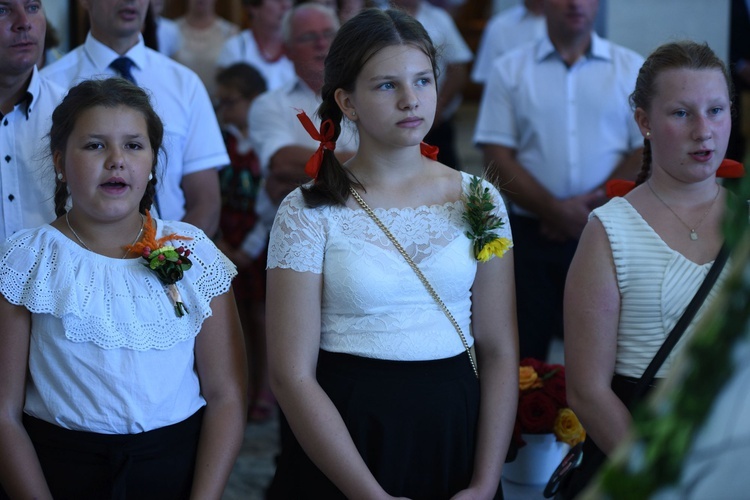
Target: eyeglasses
310, 38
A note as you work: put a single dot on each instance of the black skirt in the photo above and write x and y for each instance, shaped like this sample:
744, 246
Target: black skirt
79, 465
414, 423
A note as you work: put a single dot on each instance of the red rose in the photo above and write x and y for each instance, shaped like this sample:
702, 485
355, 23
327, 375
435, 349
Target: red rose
554, 387
537, 365
537, 412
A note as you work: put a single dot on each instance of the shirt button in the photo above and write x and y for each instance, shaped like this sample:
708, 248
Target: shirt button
11, 197
7, 158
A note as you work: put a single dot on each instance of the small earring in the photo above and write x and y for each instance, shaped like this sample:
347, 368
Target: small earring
354, 113
648, 134
59, 176
150, 176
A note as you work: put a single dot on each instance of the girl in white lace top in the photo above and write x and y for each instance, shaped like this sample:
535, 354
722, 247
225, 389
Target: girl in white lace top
374, 380
642, 257
117, 375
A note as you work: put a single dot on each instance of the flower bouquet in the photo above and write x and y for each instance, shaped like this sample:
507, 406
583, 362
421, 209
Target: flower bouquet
545, 426
542, 405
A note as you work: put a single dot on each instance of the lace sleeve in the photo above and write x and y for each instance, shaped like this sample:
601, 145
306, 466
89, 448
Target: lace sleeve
298, 236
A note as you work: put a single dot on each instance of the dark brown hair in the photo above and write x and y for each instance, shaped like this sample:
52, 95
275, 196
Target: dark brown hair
109, 93
356, 42
242, 77
676, 55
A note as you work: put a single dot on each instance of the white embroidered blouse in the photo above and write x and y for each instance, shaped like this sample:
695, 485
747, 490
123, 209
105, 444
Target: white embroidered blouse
373, 304
108, 354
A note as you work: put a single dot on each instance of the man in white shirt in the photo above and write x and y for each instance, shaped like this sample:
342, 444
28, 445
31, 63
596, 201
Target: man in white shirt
283, 146
27, 100
554, 125
188, 187
507, 30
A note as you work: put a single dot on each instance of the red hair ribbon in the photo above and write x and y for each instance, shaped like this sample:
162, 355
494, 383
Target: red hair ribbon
729, 169
325, 137
429, 151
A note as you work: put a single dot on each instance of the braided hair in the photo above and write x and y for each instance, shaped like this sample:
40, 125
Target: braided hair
356, 42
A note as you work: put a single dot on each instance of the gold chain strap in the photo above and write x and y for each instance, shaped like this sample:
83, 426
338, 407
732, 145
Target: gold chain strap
419, 273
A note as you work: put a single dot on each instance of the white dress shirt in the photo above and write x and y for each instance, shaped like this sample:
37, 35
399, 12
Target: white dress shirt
27, 178
505, 31
570, 126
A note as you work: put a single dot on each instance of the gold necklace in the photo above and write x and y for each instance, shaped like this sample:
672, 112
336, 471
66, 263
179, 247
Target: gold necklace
84, 245
693, 234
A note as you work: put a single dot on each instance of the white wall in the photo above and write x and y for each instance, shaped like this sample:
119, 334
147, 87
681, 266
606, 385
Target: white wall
57, 14
642, 25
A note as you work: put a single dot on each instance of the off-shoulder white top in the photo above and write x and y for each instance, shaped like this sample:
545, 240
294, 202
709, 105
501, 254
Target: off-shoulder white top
373, 303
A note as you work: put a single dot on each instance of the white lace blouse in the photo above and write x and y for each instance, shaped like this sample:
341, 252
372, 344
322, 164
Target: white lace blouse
373, 304
108, 354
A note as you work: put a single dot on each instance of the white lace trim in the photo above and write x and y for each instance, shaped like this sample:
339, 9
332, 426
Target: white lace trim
113, 303
423, 231
372, 303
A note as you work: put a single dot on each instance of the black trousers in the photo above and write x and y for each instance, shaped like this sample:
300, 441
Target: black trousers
541, 266
79, 465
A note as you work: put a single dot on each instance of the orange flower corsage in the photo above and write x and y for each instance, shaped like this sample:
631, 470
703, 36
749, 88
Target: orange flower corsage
169, 263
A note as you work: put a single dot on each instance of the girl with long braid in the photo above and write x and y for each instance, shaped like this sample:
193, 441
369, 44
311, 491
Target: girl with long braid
375, 381
122, 373
642, 257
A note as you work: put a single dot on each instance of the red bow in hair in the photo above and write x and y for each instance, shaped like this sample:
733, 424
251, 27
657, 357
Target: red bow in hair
430, 152
325, 137
729, 169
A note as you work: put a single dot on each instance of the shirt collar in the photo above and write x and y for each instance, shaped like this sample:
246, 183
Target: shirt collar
599, 49
101, 55
298, 85
32, 91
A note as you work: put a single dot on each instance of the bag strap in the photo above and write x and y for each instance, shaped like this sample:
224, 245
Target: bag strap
419, 274
690, 311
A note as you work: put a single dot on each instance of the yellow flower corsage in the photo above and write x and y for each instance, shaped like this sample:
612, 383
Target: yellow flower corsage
483, 222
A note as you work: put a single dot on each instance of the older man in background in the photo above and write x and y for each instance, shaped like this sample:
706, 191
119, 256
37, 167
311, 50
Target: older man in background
282, 144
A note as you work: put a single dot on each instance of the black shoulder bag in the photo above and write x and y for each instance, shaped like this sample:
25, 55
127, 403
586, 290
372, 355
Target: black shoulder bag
583, 461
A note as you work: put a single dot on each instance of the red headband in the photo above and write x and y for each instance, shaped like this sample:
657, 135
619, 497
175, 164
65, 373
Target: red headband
325, 137
729, 169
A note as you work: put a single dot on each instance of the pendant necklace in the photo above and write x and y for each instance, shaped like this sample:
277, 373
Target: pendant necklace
84, 245
693, 234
